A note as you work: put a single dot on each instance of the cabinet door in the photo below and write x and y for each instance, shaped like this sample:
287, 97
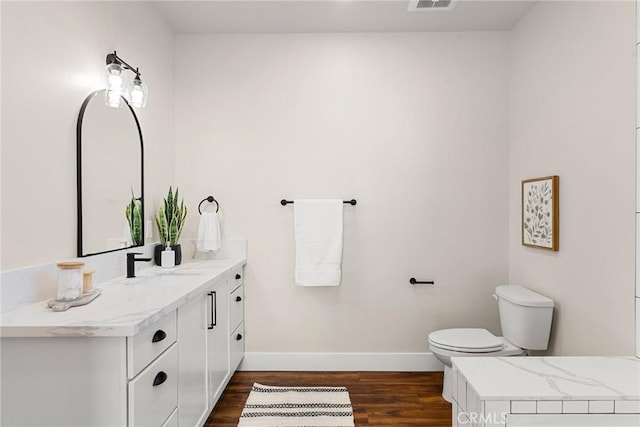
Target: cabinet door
236, 308
218, 340
192, 362
236, 342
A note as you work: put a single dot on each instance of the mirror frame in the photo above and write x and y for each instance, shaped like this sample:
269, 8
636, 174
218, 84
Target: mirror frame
79, 172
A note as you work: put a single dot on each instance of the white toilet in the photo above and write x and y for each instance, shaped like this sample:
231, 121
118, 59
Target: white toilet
525, 318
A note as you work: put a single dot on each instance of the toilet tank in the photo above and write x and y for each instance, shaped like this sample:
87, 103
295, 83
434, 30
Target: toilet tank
525, 316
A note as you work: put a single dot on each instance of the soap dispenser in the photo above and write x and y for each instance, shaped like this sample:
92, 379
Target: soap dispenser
168, 259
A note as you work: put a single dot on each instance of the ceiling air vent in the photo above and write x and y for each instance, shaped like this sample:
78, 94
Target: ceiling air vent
423, 5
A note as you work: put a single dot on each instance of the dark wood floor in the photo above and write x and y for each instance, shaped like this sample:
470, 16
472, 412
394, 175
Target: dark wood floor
379, 398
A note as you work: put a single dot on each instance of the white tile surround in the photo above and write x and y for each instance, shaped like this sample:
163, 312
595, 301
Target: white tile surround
540, 391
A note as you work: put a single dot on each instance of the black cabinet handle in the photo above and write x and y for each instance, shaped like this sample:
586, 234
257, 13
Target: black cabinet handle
238, 277
238, 298
160, 378
159, 336
214, 311
238, 337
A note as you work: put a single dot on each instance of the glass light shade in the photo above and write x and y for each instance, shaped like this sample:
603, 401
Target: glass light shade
115, 81
114, 75
114, 88
138, 93
113, 98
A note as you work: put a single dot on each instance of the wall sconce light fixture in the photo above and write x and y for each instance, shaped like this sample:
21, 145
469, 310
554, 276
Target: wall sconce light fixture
136, 91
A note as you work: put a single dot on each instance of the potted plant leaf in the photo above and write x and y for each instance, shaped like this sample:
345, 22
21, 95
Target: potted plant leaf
133, 212
170, 221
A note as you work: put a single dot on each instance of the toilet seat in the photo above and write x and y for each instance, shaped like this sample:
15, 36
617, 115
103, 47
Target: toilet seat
466, 340
508, 350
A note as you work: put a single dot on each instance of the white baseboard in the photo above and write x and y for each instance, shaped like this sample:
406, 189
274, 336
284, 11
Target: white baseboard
391, 362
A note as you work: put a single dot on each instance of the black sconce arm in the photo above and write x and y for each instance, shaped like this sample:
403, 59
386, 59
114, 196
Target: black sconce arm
113, 57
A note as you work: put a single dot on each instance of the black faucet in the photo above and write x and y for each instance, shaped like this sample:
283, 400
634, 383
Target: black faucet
131, 263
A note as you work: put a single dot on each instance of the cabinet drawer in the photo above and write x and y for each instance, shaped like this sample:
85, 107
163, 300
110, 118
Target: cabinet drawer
236, 308
237, 278
237, 347
149, 343
149, 404
173, 419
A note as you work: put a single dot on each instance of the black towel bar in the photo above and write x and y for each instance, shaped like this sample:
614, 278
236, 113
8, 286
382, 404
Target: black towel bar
352, 202
413, 281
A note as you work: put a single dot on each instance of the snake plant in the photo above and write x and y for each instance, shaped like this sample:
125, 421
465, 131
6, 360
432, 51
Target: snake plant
133, 212
170, 219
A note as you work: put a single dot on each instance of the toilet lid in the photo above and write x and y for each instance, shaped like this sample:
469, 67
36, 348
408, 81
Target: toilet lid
470, 340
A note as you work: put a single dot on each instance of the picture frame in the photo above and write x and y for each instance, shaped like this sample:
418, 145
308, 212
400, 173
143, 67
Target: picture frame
541, 212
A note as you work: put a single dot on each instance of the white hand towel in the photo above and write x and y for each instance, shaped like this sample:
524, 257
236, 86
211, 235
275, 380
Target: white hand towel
208, 232
318, 233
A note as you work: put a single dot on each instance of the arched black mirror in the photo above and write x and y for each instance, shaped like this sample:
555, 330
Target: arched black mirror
110, 156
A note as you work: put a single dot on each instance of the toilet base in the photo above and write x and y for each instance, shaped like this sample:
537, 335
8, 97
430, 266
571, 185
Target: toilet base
446, 384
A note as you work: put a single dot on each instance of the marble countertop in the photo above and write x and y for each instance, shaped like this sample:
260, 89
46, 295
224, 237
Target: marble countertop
552, 378
125, 307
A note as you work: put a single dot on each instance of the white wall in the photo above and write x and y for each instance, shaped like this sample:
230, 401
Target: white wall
414, 126
572, 114
53, 56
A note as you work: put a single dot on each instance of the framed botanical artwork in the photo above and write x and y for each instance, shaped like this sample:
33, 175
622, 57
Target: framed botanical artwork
540, 212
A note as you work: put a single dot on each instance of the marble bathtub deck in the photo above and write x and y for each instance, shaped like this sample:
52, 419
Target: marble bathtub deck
125, 307
552, 378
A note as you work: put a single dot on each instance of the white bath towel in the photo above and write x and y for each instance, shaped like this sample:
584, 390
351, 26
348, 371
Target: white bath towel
208, 232
318, 233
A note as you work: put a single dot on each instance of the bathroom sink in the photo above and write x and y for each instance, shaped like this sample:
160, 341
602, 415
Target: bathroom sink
191, 268
144, 277
154, 274
180, 273
128, 280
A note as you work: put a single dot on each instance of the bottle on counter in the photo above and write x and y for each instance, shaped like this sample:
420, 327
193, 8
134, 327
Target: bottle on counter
168, 259
87, 281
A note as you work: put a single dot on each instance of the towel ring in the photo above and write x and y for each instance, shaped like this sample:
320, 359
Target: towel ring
209, 199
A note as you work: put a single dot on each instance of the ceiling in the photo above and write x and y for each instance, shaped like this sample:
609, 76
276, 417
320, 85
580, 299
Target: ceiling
328, 16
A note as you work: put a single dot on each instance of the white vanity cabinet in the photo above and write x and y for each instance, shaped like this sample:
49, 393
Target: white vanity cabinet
168, 373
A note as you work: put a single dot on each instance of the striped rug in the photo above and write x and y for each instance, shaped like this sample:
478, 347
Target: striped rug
269, 406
